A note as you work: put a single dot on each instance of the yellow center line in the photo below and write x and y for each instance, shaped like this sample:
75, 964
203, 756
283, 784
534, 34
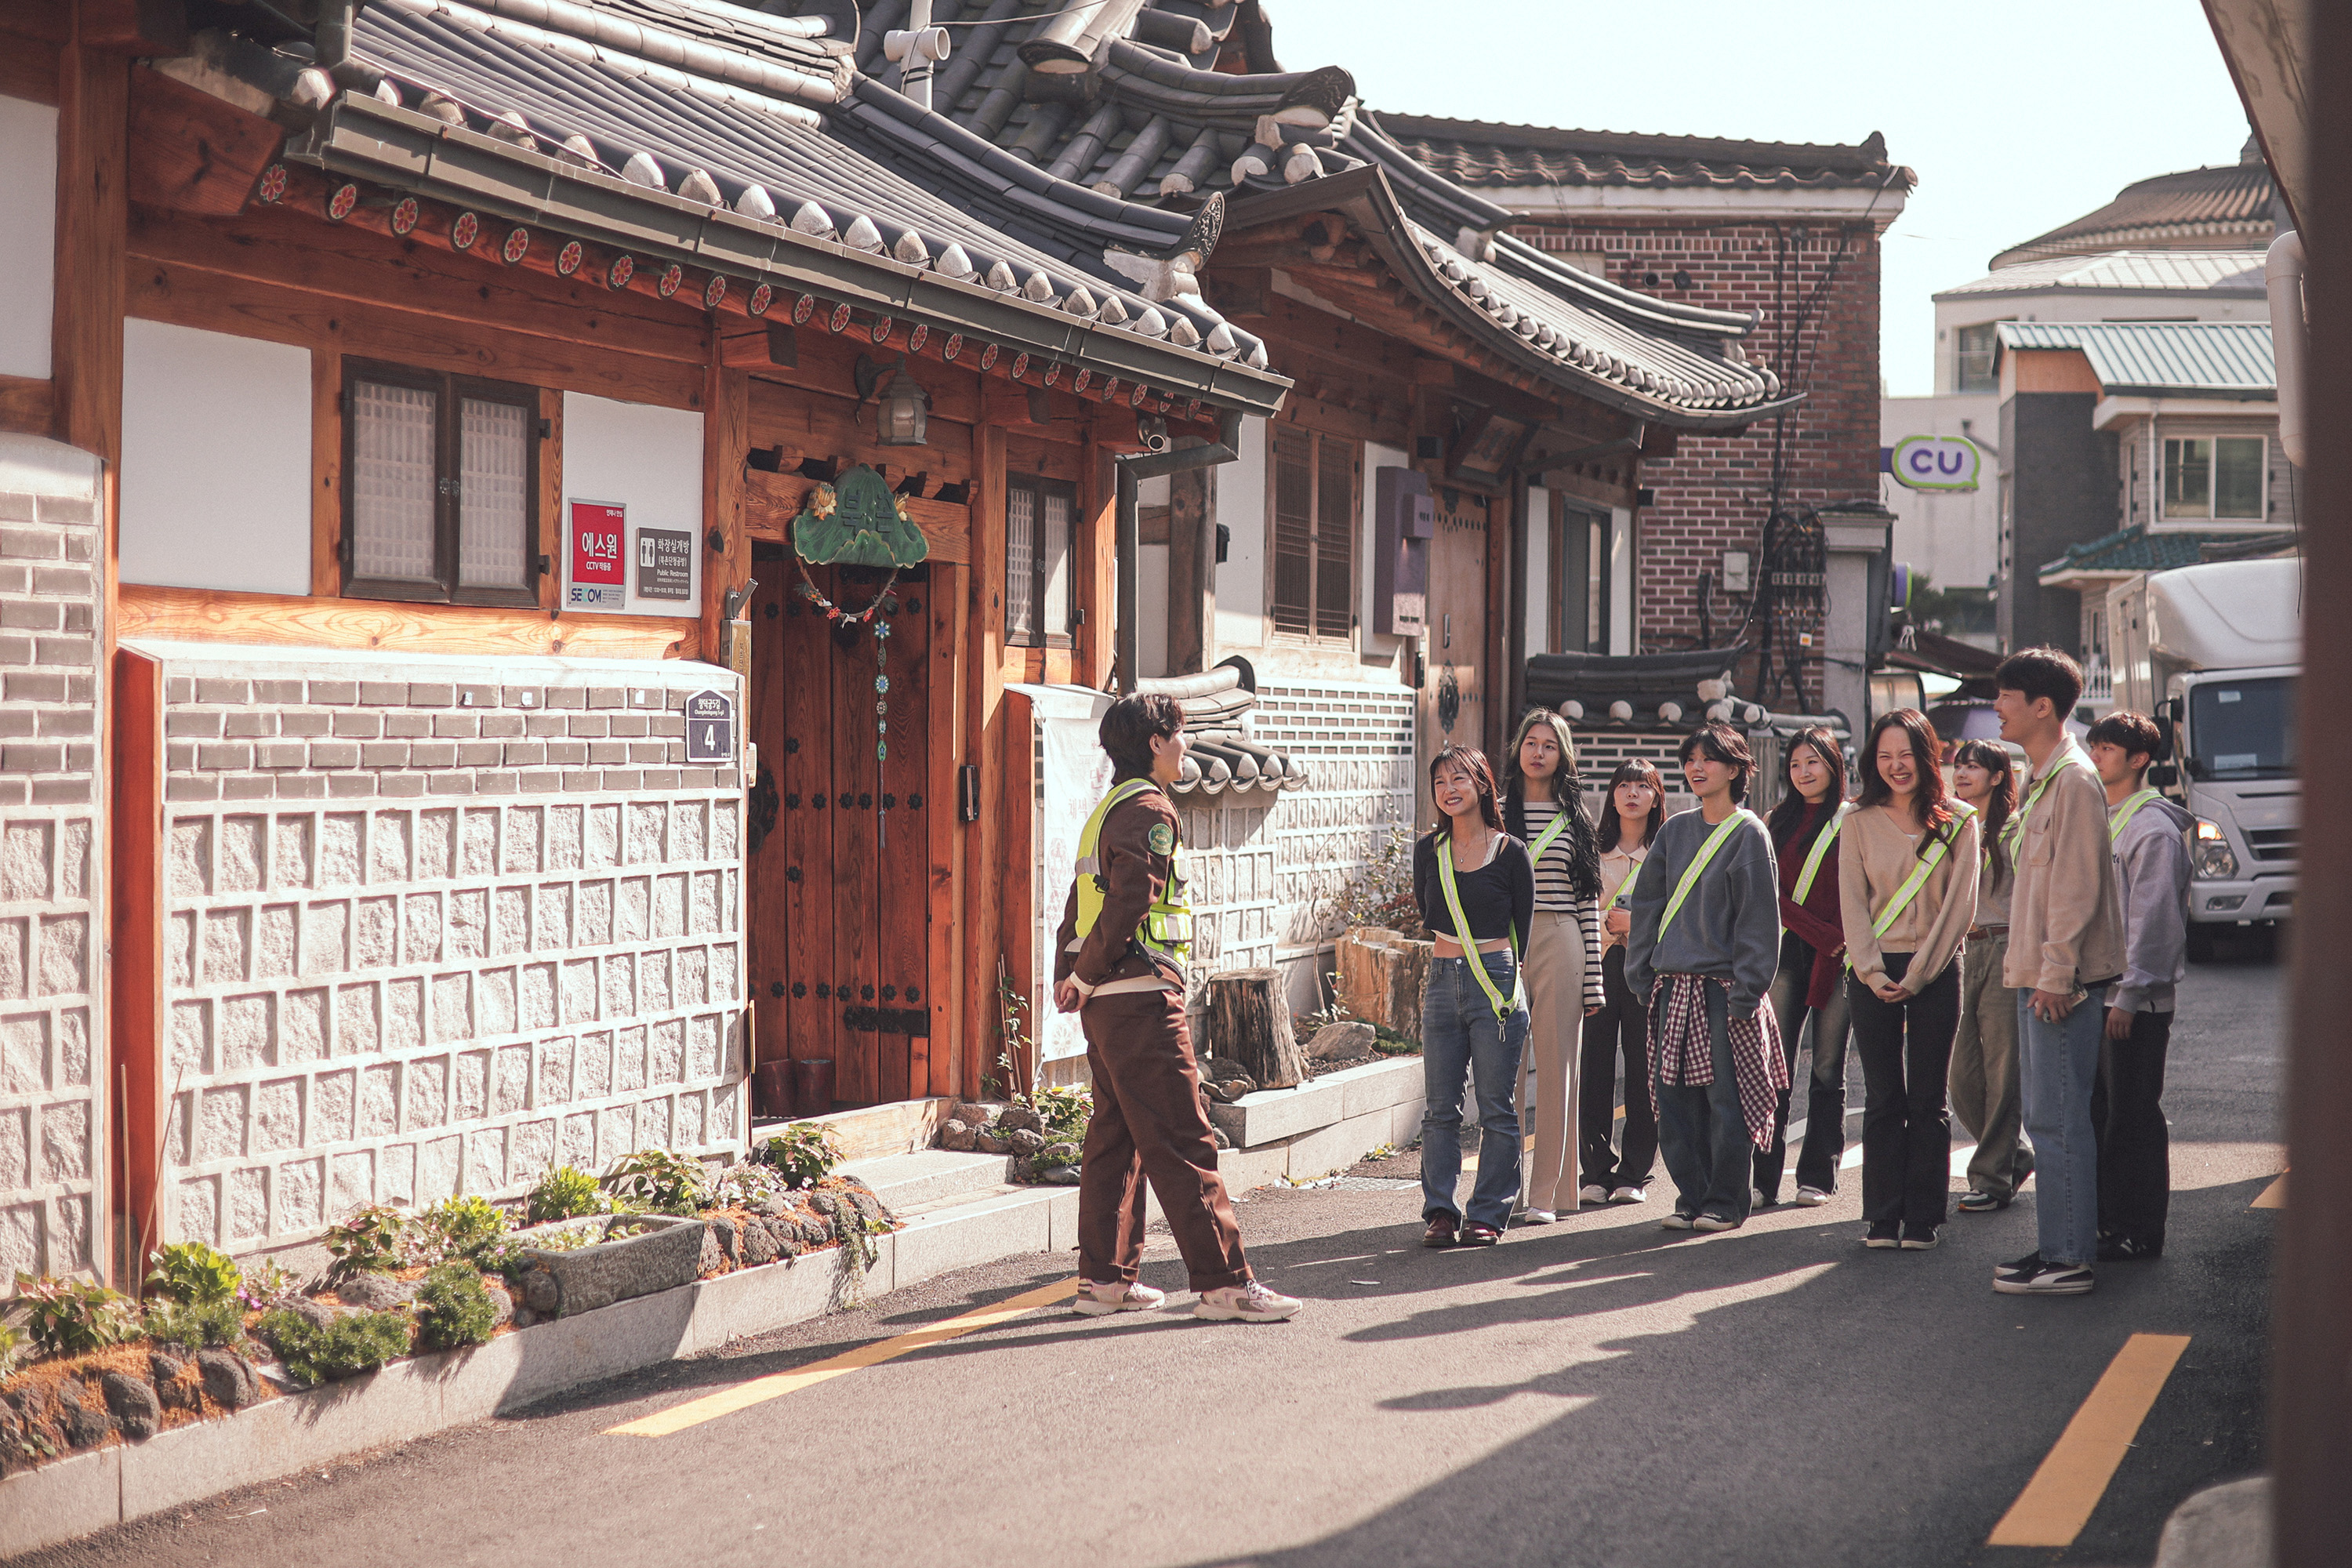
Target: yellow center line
776, 1385
2272, 1196
2057, 1502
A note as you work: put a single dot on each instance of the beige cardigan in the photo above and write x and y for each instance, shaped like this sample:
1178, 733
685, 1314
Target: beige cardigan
2066, 914
1875, 859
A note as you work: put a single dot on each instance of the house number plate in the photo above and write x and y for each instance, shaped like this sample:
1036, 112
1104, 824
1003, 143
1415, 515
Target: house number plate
710, 727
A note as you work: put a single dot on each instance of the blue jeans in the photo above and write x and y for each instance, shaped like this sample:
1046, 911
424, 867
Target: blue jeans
1703, 1129
1461, 1036
2059, 1064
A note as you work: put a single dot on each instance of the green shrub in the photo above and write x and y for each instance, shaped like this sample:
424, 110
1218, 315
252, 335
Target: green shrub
458, 1227
658, 1181
192, 1274
12, 1350
1065, 1113
453, 1309
806, 1153
268, 1287
355, 1342
69, 1317
565, 1192
376, 1239
196, 1324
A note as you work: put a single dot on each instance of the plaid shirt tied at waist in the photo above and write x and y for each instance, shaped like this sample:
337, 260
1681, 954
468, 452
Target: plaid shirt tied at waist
1682, 1051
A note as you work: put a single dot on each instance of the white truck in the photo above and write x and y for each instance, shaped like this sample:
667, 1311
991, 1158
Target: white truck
2214, 652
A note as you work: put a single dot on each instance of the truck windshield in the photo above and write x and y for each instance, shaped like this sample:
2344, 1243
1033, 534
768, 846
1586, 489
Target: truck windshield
2242, 728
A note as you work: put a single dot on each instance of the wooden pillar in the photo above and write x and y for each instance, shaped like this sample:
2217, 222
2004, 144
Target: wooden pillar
1191, 571
1511, 676
92, 239
1495, 682
726, 440
951, 611
983, 839
138, 1023
1098, 555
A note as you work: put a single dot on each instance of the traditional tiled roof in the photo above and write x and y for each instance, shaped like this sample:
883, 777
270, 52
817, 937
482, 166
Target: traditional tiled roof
1678, 691
2125, 550
2206, 358
2232, 272
1103, 109
2225, 206
1485, 154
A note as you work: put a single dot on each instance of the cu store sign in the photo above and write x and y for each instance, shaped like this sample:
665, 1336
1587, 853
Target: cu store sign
1934, 463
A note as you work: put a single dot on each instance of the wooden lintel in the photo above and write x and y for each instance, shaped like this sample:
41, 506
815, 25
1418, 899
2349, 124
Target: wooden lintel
28, 405
193, 151
771, 501
199, 614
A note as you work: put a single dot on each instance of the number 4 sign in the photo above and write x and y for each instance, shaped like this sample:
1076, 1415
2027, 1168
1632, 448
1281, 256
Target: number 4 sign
710, 727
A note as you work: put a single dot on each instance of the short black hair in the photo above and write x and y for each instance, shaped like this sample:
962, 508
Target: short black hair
2136, 734
1130, 726
2043, 673
1724, 744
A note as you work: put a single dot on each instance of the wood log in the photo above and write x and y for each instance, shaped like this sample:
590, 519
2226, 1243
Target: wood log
1381, 977
1249, 1020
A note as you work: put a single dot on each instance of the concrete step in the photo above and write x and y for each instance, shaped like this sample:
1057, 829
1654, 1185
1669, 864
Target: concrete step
927, 1176
979, 1226
872, 1131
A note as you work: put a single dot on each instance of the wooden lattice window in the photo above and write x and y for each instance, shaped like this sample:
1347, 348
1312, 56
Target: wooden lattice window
440, 487
1041, 586
1315, 510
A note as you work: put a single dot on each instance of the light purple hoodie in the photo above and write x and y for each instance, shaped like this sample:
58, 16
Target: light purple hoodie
2151, 858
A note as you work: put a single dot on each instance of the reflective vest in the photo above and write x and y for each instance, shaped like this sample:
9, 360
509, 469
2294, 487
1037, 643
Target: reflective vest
1166, 930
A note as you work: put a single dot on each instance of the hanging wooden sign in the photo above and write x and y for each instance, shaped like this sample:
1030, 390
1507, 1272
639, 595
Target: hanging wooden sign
857, 523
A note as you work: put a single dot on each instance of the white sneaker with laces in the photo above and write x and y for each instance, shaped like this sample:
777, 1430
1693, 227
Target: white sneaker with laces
1249, 1303
1630, 1195
1592, 1195
1535, 1216
1119, 1296
1810, 1197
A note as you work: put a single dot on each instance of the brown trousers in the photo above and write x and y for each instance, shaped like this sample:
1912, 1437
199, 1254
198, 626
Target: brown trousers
1148, 1122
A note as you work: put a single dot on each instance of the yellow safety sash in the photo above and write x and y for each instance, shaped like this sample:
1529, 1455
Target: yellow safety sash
1920, 872
2121, 817
1715, 841
1822, 843
2032, 797
1469, 943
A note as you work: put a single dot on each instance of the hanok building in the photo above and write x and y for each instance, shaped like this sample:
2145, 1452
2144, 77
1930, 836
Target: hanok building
398, 410
1467, 409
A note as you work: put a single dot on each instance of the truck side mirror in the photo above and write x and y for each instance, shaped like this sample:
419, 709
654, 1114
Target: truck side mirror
2163, 775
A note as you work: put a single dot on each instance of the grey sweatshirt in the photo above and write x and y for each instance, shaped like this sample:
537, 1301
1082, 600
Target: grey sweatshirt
2152, 871
1729, 927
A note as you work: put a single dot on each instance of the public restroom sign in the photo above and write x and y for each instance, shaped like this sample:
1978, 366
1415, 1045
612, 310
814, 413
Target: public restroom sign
594, 553
1934, 463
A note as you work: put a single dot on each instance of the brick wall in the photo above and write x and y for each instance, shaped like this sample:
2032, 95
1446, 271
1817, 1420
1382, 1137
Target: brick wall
1715, 493
435, 926
52, 1028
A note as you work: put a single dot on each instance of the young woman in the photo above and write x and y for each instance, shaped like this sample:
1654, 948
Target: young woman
1543, 808
1908, 880
1636, 810
1705, 937
1984, 1053
1477, 889
1805, 828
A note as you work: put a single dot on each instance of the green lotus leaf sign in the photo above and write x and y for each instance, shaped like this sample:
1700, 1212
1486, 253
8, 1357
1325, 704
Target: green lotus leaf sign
857, 523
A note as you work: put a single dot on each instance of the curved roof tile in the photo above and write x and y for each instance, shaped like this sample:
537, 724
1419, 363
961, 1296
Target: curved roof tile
1482, 154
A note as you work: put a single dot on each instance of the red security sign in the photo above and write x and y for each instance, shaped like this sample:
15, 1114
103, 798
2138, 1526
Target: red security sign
598, 576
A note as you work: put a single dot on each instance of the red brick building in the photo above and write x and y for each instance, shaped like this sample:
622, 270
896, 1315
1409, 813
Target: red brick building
1791, 232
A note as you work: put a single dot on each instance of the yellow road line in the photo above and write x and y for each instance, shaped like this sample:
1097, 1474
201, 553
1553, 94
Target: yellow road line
2057, 1502
2274, 1197
776, 1385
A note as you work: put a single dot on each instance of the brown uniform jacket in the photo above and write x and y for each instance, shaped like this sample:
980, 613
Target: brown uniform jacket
1134, 873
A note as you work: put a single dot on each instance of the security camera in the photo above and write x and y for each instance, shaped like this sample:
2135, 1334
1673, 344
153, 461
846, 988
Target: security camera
1153, 431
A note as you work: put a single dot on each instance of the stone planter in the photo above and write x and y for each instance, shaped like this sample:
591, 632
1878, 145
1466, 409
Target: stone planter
1381, 977
663, 1255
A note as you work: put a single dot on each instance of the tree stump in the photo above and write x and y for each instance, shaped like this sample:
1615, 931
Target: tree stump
1248, 1019
1381, 977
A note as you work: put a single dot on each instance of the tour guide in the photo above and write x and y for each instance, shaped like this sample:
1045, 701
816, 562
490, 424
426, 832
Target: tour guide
1119, 956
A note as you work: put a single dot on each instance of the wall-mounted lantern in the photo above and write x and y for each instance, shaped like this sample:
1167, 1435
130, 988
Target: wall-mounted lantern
902, 408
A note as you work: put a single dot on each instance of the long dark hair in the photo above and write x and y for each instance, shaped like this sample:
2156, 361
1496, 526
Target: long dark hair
1788, 816
1991, 756
1634, 770
1936, 813
1471, 760
1567, 793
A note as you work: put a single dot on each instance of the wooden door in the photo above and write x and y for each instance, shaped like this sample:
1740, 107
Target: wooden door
1455, 681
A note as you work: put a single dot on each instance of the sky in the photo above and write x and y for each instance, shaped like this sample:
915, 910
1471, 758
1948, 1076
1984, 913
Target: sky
2015, 116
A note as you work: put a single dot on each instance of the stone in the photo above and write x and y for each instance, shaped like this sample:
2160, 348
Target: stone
311, 1310
975, 1115
986, 1142
539, 1291
1061, 1154
375, 1292
758, 1245
524, 1317
134, 1404
1222, 1141
227, 1378
825, 1204
713, 1257
501, 1300
957, 1135
668, 1252
1024, 1142
724, 1231
1020, 1117
1062, 1176
176, 1387
86, 1422
1336, 1040
1024, 1170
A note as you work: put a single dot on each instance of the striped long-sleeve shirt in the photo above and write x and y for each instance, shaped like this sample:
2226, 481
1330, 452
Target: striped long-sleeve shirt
1556, 894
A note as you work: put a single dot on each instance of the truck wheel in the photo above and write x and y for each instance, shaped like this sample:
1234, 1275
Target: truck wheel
2201, 943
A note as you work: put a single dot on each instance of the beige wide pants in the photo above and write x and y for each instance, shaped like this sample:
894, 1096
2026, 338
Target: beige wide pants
1555, 985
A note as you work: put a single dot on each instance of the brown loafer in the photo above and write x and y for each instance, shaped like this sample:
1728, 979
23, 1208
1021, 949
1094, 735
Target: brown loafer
1444, 1231
1480, 1235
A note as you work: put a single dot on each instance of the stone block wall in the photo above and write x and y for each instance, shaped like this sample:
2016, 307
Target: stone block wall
52, 1017
434, 926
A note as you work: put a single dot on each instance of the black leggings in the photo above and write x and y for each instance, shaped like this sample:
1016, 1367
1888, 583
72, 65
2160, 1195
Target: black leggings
1620, 1030
1906, 1132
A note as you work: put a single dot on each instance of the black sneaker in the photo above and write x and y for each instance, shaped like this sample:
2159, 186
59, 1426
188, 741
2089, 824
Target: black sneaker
2129, 1249
1973, 1202
2034, 1276
1887, 1236
1919, 1237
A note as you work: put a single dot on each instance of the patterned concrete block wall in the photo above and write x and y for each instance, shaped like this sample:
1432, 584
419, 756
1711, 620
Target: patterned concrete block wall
436, 926
52, 1028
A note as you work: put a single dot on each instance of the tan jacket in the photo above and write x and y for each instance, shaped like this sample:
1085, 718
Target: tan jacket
1874, 859
2065, 919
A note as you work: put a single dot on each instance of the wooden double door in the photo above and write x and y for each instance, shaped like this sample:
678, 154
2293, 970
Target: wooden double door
844, 813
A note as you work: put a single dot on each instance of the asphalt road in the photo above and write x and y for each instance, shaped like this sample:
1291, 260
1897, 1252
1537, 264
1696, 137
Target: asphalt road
1600, 1392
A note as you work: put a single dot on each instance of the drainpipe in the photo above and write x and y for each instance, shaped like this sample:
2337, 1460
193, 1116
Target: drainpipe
1130, 542
919, 47
2283, 274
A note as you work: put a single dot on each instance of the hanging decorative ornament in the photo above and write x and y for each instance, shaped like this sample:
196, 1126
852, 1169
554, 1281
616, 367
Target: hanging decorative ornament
273, 184
761, 298
340, 205
516, 246
617, 276
918, 337
568, 259
954, 349
405, 214
465, 231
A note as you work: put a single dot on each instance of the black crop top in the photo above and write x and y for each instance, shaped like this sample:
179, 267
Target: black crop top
1498, 898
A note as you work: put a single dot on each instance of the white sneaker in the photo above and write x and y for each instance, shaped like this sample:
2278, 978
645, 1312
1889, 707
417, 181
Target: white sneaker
1756, 1198
1536, 1217
1118, 1296
1592, 1195
1249, 1303
1630, 1195
1810, 1197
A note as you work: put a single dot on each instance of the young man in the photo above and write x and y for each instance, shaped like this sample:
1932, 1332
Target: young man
1703, 945
1120, 964
2151, 854
2065, 949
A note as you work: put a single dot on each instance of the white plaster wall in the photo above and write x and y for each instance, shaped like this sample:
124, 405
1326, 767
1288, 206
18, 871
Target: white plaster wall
28, 217
1241, 507
216, 460
1376, 647
1151, 611
1538, 583
650, 461
1621, 628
